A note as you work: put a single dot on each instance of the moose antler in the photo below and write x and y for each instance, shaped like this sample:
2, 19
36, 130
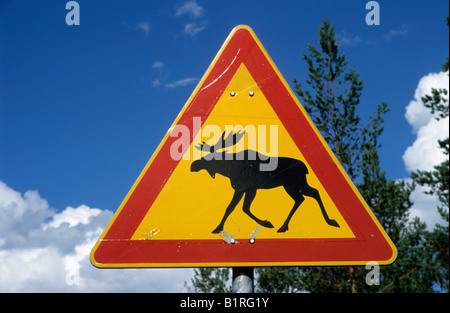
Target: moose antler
230, 141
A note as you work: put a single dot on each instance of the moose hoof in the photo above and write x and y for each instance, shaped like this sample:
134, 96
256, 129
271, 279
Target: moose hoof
217, 230
333, 223
282, 229
267, 224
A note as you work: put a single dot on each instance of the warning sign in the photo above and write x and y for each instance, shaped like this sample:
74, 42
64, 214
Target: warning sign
242, 177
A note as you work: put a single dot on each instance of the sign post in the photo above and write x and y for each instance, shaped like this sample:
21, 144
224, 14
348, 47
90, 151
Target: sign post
243, 280
242, 178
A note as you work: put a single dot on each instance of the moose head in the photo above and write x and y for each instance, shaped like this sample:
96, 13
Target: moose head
213, 162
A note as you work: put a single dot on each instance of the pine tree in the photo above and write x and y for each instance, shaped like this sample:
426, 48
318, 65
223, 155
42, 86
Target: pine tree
334, 97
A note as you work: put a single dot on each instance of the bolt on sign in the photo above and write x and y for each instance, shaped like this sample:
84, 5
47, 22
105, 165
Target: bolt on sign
242, 178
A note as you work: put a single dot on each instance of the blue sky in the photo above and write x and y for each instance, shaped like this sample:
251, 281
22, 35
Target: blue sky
82, 108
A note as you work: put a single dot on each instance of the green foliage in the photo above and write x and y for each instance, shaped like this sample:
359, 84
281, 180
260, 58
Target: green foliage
437, 102
210, 280
278, 279
334, 95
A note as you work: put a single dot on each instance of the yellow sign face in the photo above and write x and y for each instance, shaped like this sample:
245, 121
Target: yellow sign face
192, 203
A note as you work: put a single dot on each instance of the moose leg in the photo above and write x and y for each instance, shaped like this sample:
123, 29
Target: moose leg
298, 198
249, 196
236, 198
311, 192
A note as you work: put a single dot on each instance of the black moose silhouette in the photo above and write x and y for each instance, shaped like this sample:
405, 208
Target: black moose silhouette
244, 171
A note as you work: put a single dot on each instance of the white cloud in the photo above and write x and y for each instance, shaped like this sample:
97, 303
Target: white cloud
191, 8
156, 83
347, 39
45, 251
144, 26
182, 82
424, 206
158, 65
73, 216
192, 29
194, 11
417, 114
425, 153
31, 270
18, 214
399, 31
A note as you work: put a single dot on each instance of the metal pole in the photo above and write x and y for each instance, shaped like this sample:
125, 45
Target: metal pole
242, 280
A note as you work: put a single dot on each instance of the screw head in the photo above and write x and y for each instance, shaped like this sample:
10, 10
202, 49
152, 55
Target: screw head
251, 93
252, 241
232, 93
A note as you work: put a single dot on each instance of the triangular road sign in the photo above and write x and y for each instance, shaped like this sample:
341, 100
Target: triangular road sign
242, 178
